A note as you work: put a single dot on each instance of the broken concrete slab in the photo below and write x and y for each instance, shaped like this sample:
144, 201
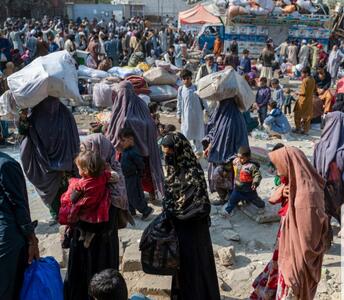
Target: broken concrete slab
267, 215
154, 285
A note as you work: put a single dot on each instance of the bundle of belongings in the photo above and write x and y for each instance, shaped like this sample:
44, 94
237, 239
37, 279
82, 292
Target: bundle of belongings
226, 84
51, 75
157, 82
274, 7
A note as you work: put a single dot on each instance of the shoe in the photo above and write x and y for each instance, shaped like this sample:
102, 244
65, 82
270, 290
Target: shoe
145, 215
133, 213
258, 202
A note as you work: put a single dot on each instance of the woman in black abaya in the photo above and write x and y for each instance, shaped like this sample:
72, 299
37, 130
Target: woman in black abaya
186, 200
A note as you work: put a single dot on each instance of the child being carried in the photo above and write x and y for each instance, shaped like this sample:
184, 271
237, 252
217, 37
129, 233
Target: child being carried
86, 203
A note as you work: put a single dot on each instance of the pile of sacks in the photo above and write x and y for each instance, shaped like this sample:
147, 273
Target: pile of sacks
155, 83
51, 75
267, 7
162, 81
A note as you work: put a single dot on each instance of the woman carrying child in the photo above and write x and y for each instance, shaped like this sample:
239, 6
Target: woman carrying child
86, 208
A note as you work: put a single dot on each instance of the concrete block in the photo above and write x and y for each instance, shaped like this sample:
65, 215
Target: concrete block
155, 285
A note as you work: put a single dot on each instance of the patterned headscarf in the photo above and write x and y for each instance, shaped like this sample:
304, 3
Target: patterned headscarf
185, 185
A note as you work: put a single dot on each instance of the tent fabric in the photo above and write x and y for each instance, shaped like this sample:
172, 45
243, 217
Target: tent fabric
198, 15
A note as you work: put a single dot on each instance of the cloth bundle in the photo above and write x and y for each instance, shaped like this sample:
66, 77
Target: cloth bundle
160, 76
51, 75
224, 85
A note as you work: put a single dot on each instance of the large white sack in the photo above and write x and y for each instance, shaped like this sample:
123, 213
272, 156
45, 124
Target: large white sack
159, 76
102, 95
51, 75
8, 109
161, 93
226, 84
84, 71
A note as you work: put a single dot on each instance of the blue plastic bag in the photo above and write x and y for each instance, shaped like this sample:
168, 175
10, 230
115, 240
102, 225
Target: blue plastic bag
42, 281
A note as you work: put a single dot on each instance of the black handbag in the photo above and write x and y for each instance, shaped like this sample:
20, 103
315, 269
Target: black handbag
159, 247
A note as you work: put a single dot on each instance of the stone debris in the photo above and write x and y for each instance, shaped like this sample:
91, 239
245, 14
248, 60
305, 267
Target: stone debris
267, 215
227, 256
231, 235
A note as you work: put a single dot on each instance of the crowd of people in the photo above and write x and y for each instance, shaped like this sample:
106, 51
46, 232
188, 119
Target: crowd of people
97, 186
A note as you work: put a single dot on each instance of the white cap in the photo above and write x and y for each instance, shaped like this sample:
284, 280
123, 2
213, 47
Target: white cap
304, 42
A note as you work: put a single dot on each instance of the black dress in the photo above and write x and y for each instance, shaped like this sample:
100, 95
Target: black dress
83, 263
197, 277
15, 227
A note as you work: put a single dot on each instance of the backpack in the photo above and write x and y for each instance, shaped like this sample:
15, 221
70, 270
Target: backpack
159, 247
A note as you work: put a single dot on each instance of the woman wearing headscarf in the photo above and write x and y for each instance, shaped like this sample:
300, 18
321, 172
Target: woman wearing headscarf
186, 201
295, 269
18, 243
227, 133
131, 111
334, 60
92, 60
103, 252
50, 145
100, 144
328, 159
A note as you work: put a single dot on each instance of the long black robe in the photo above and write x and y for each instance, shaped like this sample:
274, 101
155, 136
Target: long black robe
15, 226
197, 277
83, 263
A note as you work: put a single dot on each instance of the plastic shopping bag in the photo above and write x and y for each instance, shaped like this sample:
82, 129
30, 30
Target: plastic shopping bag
42, 281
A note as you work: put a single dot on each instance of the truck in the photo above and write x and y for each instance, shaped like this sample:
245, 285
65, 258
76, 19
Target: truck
252, 32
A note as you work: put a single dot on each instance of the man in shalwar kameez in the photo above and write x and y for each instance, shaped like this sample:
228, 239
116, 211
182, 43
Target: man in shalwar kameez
190, 112
304, 105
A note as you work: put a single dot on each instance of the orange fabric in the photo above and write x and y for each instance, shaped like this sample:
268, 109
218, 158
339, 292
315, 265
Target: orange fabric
304, 228
198, 15
327, 99
217, 47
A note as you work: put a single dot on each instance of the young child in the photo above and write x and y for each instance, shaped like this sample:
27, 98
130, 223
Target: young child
276, 123
153, 109
86, 203
133, 166
190, 112
245, 63
163, 130
109, 284
277, 93
247, 178
288, 101
263, 97
223, 181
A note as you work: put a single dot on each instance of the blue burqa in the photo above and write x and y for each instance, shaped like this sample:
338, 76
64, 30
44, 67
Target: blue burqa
227, 133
